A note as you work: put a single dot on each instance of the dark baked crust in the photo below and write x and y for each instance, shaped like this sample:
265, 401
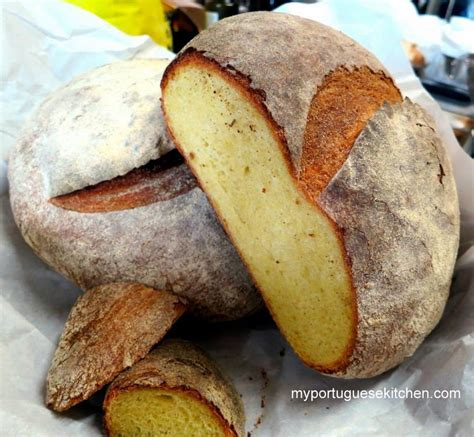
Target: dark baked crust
340, 108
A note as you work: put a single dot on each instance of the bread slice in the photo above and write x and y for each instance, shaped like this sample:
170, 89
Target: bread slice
99, 193
338, 196
176, 390
109, 328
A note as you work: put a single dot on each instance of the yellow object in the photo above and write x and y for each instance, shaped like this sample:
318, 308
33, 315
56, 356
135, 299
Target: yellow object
290, 247
135, 17
160, 412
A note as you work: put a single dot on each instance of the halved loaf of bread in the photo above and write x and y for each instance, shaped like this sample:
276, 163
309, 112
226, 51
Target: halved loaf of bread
177, 390
337, 194
100, 195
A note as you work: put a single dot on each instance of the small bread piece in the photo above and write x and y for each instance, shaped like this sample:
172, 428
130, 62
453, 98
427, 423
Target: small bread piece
109, 328
338, 195
99, 193
175, 391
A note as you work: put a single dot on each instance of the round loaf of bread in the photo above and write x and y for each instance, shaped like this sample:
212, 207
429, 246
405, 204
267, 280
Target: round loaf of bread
338, 194
100, 195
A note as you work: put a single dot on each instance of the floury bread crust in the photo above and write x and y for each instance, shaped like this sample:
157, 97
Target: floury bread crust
175, 370
395, 199
98, 127
370, 222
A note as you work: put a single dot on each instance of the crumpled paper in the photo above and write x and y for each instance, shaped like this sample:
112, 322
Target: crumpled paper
47, 43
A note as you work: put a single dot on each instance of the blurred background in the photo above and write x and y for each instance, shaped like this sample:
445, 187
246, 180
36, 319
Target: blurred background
437, 37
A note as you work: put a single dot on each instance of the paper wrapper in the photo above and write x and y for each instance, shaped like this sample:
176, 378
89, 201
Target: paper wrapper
47, 43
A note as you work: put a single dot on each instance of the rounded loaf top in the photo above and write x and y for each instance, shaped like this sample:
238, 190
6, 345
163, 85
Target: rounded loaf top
100, 125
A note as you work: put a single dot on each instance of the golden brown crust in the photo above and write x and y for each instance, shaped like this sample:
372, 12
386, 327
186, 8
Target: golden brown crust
180, 365
109, 329
341, 107
159, 180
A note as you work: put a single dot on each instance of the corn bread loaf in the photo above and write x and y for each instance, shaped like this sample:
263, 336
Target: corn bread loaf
175, 391
337, 193
100, 195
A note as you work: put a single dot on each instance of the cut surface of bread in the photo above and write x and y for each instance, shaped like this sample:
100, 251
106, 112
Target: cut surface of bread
291, 248
163, 412
177, 390
159, 180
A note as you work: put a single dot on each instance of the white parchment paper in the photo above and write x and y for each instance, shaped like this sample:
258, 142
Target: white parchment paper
45, 44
